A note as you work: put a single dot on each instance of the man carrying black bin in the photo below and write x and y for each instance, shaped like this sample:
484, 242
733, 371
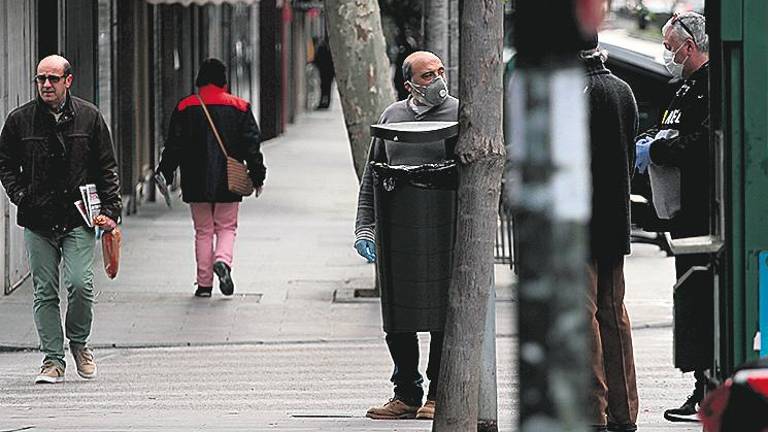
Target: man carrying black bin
417, 301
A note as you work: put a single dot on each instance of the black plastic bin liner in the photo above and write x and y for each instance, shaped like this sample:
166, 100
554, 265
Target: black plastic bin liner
415, 232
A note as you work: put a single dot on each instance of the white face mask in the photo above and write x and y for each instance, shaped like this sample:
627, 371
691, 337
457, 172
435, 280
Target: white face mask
674, 68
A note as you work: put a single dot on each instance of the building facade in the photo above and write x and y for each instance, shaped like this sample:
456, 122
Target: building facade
136, 58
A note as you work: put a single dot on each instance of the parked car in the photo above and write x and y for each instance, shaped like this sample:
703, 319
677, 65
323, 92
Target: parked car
657, 12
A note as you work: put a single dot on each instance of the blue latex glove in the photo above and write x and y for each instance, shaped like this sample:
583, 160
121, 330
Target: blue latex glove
366, 249
642, 154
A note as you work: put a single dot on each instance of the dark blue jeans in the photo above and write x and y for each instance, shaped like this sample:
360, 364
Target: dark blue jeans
404, 348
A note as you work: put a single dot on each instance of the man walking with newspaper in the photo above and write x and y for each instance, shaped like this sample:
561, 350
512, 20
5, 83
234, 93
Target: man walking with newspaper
49, 148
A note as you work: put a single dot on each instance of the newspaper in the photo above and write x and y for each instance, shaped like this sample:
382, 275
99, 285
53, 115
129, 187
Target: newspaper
162, 185
90, 205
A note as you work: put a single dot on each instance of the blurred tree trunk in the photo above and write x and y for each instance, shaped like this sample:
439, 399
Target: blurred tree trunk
452, 68
480, 152
436, 17
441, 24
362, 69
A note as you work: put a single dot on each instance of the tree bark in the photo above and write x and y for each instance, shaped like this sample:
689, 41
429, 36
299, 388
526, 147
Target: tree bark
362, 69
480, 153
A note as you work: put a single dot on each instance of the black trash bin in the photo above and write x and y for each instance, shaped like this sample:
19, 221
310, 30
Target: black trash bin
415, 224
415, 209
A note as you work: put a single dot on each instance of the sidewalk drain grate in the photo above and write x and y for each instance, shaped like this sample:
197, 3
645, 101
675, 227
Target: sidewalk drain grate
354, 295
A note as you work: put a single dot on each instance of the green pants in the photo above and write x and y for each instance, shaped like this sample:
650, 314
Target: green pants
74, 250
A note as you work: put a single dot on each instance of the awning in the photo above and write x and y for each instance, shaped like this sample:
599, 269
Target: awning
202, 2
297, 4
307, 4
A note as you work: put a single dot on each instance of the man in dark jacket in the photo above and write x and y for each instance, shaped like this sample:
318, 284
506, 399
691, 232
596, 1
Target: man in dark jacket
324, 62
192, 145
429, 101
49, 148
613, 126
681, 143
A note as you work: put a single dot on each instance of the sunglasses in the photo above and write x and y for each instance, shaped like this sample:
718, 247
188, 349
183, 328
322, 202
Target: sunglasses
679, 20
53, 79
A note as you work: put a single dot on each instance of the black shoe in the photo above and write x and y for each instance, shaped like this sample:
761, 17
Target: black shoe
597, 428
203, 291
615, 427
226, 285
688, 411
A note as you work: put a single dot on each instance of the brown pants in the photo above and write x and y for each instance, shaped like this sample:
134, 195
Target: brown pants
614, 386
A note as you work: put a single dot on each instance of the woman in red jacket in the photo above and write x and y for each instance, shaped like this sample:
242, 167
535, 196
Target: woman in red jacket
192, 146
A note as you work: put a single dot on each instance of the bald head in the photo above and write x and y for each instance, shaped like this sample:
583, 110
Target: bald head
53, 80
57, 62
420, 61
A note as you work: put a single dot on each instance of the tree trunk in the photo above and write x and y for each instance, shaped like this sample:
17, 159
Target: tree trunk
436, 15
480, 152
362, 69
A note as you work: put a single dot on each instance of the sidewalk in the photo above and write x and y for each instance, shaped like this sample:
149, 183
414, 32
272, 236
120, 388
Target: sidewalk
280, 354
294, 248
268, 387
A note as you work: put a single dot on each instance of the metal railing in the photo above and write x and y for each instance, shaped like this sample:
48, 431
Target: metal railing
505, 248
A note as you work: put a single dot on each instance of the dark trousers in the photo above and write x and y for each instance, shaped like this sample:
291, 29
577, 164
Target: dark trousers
325, 91
613, 396
404, 349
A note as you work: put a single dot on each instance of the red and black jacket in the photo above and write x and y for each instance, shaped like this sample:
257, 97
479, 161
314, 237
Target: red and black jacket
191, 145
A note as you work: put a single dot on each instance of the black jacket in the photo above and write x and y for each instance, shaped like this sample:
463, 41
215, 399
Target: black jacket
43, 162
192, 145
613, 125
689, 114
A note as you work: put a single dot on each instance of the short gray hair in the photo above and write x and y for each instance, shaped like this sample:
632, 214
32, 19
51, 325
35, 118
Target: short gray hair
67, 67
407, 70
689, 25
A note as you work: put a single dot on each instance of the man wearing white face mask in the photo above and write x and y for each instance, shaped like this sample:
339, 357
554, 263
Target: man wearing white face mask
429, 100
678, 158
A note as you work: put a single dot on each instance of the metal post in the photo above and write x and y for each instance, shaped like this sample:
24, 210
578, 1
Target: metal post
548, 185
551, 195
763, 298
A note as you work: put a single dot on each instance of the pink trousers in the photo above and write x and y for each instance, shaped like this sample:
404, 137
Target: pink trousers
219, 220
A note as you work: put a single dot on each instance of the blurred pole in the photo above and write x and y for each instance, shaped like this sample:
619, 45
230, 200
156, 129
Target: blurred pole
549, 189
452, 68
436, 25
487, 413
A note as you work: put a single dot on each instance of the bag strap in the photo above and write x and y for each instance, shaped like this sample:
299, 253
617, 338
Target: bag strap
213, 126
